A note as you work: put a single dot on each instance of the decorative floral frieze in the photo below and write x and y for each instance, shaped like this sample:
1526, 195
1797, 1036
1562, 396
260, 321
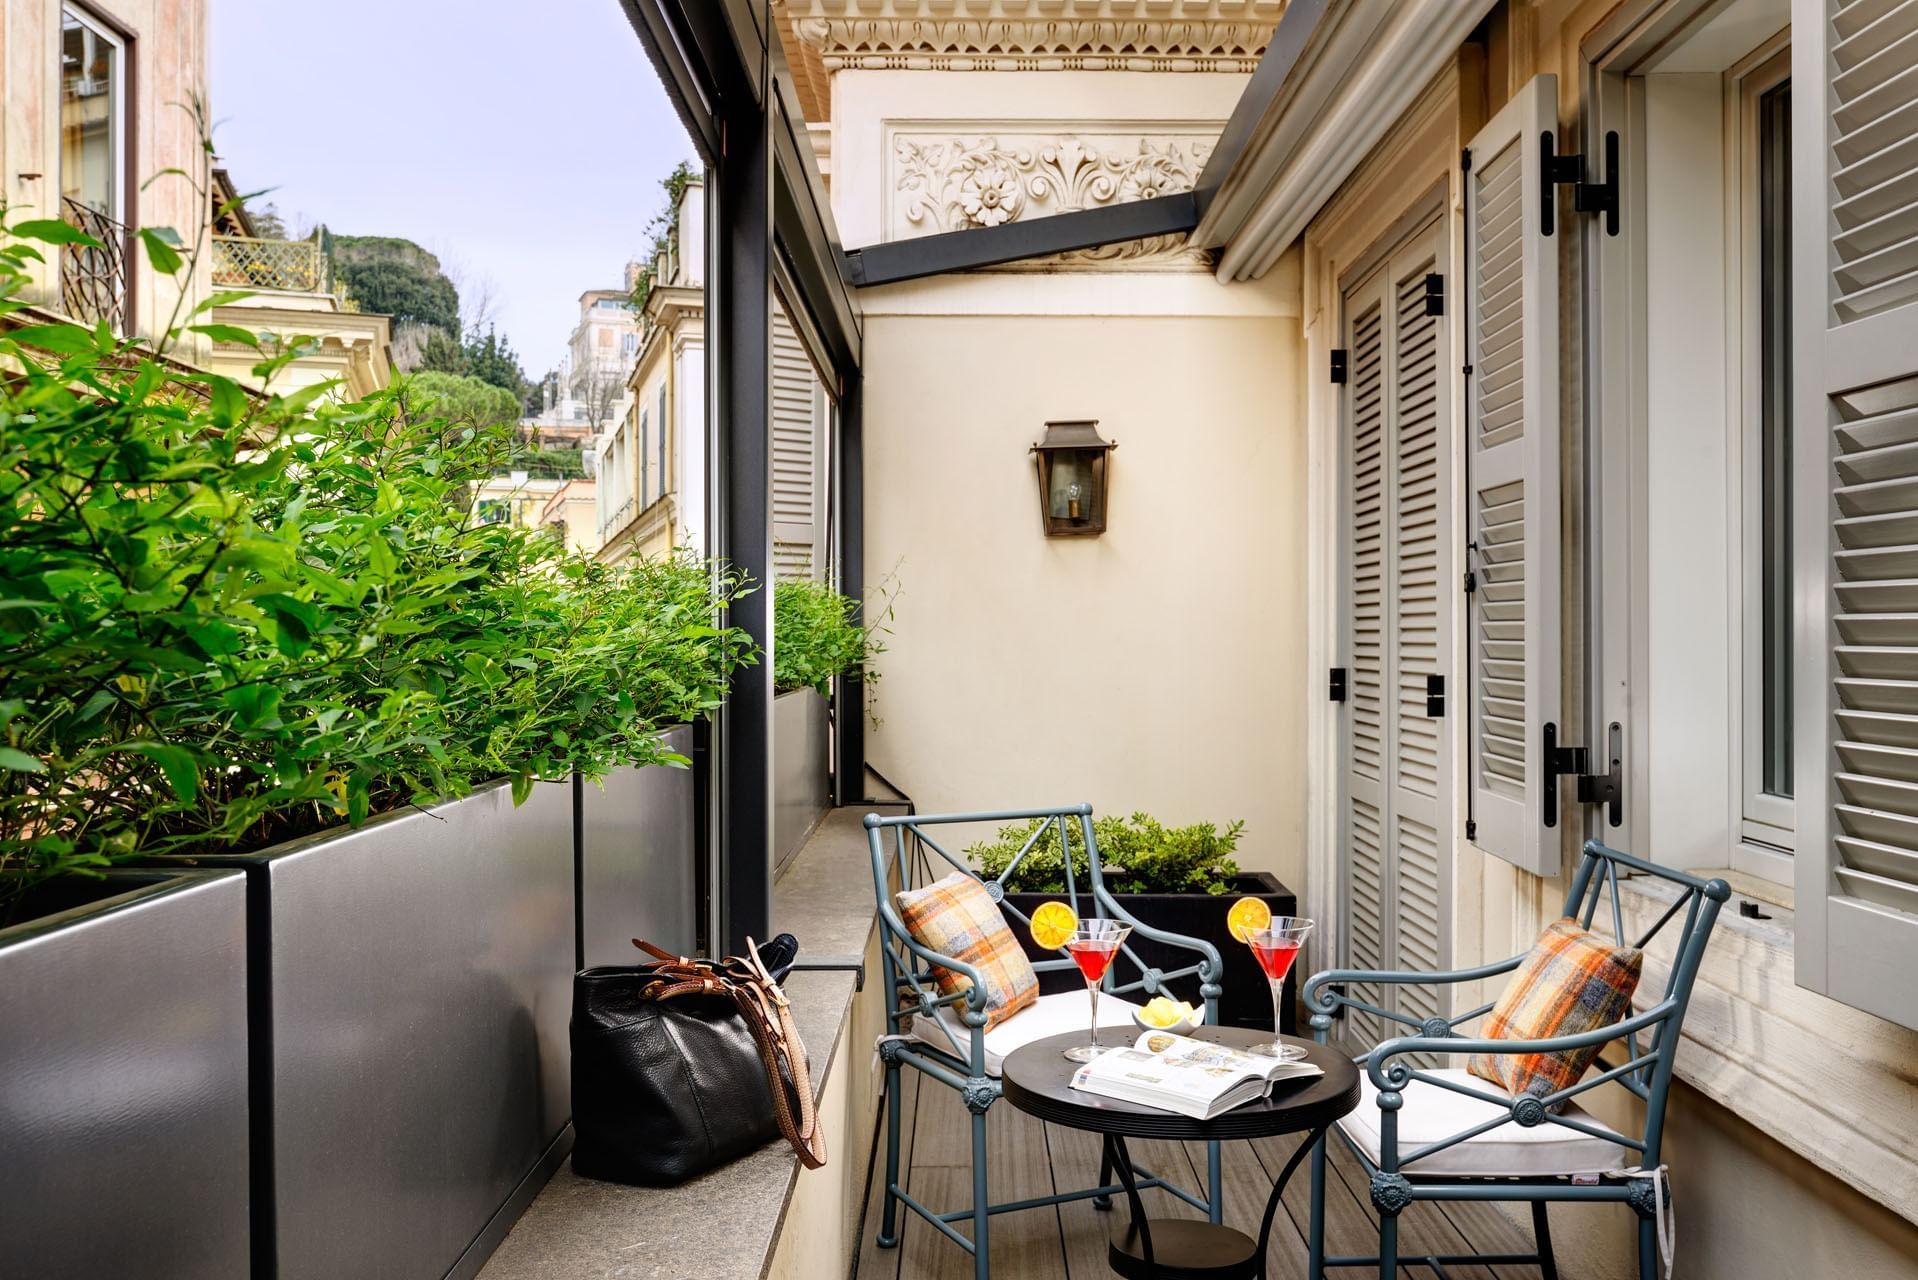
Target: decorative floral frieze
943, 182
1037, 35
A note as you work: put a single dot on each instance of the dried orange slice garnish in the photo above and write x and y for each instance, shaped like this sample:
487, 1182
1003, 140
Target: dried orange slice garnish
1053, 924
1247, 917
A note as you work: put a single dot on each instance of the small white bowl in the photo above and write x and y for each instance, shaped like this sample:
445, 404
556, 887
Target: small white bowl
1185, 1026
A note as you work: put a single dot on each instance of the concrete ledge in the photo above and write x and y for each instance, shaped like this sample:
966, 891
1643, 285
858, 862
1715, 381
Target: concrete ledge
732, 1222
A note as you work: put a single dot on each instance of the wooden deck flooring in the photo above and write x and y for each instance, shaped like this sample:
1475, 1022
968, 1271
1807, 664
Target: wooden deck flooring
1068, 1242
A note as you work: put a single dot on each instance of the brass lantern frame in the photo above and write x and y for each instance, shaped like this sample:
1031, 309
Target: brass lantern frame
1072, 451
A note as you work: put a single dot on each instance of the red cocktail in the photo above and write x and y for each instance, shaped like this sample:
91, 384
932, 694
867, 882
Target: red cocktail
1093, 956
1276, 957
1275, 948
1093, 947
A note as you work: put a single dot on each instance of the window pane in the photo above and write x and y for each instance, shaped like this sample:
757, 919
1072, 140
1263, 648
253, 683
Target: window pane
89, 68
1774, 185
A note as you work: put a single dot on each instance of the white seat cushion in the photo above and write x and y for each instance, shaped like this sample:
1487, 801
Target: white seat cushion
1432, 1114
1047, 1016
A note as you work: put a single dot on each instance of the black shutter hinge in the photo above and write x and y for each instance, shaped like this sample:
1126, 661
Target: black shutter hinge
1435, 696
1471, 582
1338, 364
1335, 687
1434, 294
1587, 197
1465, 159
1606, 788
1471, 829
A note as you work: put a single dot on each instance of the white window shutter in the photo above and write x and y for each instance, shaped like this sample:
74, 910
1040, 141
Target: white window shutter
1855, 443
799, 522
1512, 455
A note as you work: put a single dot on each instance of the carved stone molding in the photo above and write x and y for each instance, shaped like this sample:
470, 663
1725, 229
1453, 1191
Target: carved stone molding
955, 181
1036, 35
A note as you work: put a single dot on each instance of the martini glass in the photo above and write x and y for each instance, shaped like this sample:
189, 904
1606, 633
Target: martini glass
1093, 947
1275, 948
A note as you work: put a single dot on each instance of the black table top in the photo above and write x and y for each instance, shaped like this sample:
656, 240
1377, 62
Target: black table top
1037, 1079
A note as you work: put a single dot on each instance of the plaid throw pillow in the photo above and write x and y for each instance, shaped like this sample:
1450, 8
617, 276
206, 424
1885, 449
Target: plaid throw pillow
954, 917
1573, 981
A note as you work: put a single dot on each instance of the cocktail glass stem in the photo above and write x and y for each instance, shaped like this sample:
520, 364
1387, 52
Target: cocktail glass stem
1278, 990
1092, 994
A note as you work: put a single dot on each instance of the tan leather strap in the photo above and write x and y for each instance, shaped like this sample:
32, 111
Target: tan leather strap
767, 1015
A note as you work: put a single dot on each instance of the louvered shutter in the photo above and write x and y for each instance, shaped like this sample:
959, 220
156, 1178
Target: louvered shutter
1855, 287
1512, 450
798, 456
1396, 626
1420, 648
1366, 835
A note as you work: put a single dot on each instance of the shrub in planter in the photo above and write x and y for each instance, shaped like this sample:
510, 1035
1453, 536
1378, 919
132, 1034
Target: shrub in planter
228, 619
1176, 878
817, 637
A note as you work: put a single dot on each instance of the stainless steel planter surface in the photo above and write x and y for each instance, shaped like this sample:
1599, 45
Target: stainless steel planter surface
636, 860
123, 1084
802, 785
420, 971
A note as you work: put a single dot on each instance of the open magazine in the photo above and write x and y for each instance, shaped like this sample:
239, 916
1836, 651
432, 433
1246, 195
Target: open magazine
1195, 1078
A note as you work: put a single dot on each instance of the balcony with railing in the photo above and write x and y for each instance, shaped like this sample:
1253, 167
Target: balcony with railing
93, 277
291, 266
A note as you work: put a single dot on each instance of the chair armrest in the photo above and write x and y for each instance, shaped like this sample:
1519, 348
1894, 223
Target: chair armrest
975, 994
1320, 1000
1399, 1073
1212, 967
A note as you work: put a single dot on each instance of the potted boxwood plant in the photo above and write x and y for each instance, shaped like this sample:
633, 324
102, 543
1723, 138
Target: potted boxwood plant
263, 632
1177, 878
817, 637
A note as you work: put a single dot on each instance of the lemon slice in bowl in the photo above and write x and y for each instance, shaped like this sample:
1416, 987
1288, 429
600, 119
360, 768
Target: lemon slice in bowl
1053, 924
1247, 917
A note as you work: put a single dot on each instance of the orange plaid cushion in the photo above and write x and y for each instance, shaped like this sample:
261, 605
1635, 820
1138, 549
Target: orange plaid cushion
1573, 981
954, 917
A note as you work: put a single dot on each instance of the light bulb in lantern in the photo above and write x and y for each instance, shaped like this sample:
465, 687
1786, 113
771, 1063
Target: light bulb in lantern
1072, 501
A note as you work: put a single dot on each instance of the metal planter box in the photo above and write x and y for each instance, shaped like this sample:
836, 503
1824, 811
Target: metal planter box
123, 1080
1246, 999
802, 780
411, 1041
637, 859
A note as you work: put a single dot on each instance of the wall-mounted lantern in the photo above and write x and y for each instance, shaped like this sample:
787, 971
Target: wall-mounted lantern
1073, 467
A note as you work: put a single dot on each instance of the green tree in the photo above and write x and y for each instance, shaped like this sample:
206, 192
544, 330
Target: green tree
397, 278
492, 359
462, 399
442, 354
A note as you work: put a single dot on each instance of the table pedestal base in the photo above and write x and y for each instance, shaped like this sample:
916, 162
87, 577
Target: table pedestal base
1183, 1249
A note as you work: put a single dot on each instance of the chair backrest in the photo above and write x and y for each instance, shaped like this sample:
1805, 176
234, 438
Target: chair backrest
911, 851
1692, 910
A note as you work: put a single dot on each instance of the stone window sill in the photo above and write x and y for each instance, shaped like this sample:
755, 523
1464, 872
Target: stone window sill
1819, 1076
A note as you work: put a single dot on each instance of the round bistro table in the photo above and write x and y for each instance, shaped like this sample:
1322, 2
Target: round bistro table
1037, 1080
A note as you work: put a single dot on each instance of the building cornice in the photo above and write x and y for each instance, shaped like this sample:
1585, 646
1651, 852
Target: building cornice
1034, 35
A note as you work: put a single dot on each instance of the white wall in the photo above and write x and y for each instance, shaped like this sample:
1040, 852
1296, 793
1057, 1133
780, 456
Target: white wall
1158, 667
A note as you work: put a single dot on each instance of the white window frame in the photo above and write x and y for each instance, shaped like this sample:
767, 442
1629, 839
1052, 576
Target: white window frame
1763, 822
1621, 453
117, 105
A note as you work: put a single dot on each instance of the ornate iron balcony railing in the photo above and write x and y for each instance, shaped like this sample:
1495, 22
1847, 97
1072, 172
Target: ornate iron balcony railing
93, 279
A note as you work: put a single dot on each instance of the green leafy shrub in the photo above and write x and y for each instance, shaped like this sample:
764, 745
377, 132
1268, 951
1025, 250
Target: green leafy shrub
817, 637
1138, 854
227, 619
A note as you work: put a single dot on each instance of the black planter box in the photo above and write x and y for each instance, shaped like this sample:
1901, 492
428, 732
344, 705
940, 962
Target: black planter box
1245, 999
123, 1079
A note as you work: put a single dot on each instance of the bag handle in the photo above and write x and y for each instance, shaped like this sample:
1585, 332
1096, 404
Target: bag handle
768, 1016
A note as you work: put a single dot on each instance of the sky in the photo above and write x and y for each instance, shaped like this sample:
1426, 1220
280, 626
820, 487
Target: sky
522, 142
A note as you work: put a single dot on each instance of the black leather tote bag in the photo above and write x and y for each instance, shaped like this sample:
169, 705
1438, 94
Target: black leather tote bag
684, 1065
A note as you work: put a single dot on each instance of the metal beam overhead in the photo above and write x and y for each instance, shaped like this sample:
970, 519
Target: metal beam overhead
898, 260
1297, 25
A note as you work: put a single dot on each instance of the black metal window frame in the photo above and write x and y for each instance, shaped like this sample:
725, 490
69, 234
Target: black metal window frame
722, 68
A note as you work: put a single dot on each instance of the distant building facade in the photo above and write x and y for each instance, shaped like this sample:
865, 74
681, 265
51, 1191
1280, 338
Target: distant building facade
601, 350
652, 467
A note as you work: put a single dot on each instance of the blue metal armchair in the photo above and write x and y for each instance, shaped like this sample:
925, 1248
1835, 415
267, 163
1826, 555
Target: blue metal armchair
945, 1037
1429, 1133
